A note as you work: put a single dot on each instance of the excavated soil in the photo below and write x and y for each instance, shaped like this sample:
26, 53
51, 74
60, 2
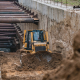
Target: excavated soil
10, 62
40, 61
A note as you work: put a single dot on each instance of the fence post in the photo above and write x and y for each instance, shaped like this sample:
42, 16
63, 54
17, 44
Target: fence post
61, 3
66, 3
57, 2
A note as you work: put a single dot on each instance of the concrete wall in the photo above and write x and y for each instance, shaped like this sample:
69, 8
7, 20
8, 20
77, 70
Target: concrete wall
62, 24
27, 26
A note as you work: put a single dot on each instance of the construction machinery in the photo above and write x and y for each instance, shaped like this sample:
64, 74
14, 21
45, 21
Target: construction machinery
35, 41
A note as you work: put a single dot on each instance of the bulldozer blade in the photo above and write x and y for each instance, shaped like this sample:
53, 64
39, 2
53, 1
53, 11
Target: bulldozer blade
41, 60
43, 55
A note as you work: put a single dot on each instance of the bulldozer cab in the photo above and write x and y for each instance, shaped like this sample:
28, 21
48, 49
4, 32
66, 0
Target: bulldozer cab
37, 36
37, 43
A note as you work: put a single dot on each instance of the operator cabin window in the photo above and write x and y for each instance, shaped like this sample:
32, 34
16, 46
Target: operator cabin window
36, 36
29, 40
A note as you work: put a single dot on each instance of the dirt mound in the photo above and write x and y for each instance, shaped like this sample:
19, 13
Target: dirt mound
40, 61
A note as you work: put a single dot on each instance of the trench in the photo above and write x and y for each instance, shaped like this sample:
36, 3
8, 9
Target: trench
12, 37
11, 40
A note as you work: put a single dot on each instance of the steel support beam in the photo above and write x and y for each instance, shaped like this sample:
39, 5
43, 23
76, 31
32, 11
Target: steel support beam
16, 20
11, 12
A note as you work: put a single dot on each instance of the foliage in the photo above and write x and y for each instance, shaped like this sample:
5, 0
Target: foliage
69, 2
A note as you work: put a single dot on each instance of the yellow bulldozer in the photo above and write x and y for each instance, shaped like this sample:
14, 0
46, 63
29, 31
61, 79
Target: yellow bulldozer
35, 41
35, 54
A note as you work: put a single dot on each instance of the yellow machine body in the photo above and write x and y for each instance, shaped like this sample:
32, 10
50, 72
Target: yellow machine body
35, 40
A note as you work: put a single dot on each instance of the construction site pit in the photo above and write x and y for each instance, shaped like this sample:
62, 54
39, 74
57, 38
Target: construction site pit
19, 65
14, 64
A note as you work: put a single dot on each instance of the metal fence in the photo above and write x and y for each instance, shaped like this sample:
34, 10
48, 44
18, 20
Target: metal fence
61, 3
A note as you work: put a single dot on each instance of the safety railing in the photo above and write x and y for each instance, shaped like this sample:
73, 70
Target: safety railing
62, 3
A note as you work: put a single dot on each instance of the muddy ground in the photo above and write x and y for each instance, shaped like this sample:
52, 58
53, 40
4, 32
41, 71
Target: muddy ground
10, 62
